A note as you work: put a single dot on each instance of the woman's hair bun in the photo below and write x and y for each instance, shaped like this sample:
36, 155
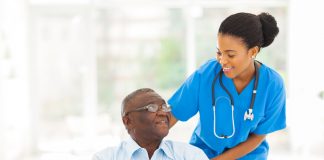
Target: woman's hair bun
269, 28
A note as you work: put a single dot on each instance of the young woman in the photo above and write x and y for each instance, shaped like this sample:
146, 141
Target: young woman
240, 100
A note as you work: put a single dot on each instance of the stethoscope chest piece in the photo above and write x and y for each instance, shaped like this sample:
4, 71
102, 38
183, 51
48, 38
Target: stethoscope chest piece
248, 115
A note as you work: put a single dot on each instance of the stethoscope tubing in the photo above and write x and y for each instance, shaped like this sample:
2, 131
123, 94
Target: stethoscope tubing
233, 125
250, 110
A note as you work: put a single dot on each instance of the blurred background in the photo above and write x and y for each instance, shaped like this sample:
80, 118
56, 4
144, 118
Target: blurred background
66, 65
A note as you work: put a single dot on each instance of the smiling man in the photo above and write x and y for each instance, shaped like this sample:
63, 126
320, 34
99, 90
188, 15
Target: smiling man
146, 118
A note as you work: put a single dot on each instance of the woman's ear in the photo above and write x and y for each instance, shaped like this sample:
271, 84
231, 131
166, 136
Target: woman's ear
253, 52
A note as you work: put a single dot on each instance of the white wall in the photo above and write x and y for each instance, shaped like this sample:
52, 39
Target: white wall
306, 78
14, 105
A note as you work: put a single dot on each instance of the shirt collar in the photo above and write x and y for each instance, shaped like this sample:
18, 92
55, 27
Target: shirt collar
131, 146
166, 149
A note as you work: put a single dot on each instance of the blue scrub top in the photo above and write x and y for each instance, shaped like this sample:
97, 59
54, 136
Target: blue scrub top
195, 96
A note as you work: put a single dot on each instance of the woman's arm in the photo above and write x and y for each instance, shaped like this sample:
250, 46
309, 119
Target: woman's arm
242, 149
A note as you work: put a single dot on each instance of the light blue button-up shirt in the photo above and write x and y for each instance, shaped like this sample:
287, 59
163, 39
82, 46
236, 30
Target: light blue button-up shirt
168, 150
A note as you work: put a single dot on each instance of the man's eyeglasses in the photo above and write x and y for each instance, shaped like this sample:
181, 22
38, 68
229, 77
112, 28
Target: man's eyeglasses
151, 108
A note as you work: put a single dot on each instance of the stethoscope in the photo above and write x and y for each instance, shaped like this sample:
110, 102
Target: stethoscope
248, 115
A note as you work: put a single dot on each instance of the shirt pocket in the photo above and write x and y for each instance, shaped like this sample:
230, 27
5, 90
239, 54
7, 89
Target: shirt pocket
248, 126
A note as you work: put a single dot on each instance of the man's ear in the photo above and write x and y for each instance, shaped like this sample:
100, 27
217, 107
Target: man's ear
127, 122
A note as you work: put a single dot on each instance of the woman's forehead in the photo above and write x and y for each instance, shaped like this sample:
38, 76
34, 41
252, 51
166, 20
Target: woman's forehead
228, 43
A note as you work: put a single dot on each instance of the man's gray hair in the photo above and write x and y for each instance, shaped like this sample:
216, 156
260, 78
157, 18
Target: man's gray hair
131, 96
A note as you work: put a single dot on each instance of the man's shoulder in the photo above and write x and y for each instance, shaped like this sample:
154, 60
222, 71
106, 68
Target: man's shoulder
110, 153
178, 144
106, 154
184, 149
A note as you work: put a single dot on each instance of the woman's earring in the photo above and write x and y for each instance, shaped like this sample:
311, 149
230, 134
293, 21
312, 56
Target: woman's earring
253, 57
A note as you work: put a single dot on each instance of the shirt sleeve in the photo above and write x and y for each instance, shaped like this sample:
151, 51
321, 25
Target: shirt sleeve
198, 155
275, 114
187, 151
184, 102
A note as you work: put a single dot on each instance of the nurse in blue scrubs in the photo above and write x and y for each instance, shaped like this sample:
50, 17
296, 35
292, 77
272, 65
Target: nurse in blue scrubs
239, 99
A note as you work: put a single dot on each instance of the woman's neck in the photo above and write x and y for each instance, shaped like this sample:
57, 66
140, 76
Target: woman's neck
244, 78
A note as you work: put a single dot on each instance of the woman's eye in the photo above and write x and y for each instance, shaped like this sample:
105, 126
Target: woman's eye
231, 56
219, 53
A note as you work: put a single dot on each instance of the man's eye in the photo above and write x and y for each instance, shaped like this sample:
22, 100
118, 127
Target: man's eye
231, 56
218, 53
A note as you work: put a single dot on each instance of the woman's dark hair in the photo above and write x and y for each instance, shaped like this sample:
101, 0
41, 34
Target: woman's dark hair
255, 30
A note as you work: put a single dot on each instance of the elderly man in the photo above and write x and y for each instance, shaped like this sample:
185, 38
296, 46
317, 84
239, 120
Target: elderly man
146, 118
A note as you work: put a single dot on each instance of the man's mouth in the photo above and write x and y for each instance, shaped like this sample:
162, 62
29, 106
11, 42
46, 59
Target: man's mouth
164, 121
